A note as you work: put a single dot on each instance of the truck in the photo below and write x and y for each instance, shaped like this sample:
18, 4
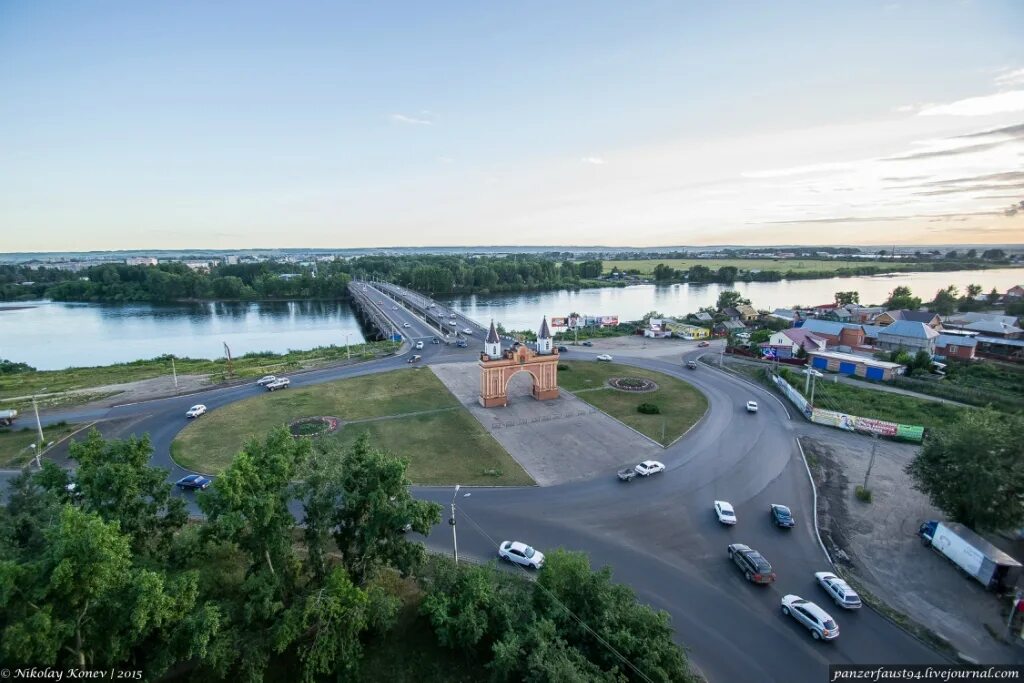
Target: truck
975, 556
7, 417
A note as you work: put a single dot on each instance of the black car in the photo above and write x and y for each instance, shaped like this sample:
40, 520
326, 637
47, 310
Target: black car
781, 516
626, 474
586, 343
753, 565
563, 349
193, 481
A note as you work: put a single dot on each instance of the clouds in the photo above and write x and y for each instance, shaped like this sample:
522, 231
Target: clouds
1007, 102
424, 119
594, 161
1010, 77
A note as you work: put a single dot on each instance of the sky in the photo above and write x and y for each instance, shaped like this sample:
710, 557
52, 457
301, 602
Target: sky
176, 125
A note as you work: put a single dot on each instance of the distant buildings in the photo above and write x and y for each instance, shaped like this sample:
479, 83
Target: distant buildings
140, 261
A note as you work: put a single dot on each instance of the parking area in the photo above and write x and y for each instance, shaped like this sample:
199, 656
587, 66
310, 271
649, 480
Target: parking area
877, 543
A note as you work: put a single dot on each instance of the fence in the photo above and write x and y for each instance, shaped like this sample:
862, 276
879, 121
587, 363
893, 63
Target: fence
844, 421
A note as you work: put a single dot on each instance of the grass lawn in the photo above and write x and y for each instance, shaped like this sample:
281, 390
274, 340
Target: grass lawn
646, 266
681, 405
15, 441
445, 447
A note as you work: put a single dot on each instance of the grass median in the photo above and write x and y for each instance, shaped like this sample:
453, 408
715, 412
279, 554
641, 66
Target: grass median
426, 425
679, 403
16, 441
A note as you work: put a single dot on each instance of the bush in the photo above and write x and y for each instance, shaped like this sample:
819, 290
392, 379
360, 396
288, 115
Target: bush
863, 494
648, 409
563, 366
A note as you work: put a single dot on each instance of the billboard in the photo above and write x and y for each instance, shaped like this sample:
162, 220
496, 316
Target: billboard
833, 419
608, 320
558, 324
794, 396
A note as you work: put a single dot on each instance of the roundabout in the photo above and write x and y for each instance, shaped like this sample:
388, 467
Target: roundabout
312, 427
635, 385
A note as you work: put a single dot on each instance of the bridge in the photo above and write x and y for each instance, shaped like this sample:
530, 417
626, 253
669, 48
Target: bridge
390, 309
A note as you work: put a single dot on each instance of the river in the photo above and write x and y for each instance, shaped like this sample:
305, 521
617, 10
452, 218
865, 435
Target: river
50, 335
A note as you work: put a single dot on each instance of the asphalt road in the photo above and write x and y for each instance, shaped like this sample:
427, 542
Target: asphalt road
659, 534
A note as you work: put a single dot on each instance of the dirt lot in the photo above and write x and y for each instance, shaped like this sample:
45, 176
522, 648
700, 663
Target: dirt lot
877, 544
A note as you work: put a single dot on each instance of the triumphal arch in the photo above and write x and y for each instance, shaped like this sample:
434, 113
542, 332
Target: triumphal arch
497, 367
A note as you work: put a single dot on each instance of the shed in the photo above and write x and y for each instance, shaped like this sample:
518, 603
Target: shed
852, 364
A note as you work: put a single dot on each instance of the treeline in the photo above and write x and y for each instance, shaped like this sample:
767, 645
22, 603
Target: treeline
101, 568
437, 275
727, 274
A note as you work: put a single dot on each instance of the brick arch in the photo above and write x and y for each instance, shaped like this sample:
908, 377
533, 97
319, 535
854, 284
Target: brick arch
534, 379
495, 374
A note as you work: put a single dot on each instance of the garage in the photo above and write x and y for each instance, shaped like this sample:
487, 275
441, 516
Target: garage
875, 373
847, 368
854, 364
819, 363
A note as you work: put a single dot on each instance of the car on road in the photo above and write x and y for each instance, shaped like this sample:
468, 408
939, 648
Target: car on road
692, 364
279, 383
521, 554
725, 513
627, 474
435, 340
265, 380
419, 345
394, 308
563, 349
838, 590
467, 330
406, 325
453, 323
751, 406
194, 482
649, 467
461, 343
196, 410
415, 359
704, 344
605, 357
755, 568
782, 516
818, 622
586, 343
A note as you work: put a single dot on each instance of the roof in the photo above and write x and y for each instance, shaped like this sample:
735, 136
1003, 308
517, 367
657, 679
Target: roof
872, 330
999, 341
731, 312
829, 327
784, 313
955, 339
981, 545
746, 309
492, 335
975, 316
703, 315
909, 329
733, 325
854, 358
799, 335
912, 316
544, 333
993, 327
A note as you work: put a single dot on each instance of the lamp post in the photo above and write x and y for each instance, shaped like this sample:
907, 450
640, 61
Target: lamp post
871, 462
39, 425
174, 371
451, 521
348, 350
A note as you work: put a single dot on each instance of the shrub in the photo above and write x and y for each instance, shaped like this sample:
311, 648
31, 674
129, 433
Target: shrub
648, 409
862, 494
563, 366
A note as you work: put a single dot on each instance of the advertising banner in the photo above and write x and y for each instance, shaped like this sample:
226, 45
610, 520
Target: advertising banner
833, 419
559, 324
910, 432
794, 396
608, 321
880, 427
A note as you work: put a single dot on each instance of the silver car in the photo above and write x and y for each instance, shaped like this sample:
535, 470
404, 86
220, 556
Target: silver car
818, 622
841, 593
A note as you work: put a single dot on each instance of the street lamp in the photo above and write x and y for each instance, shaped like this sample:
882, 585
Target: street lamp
451, 521
348, 351
39, 425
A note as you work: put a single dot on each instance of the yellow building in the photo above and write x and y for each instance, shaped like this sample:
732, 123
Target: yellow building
685, 331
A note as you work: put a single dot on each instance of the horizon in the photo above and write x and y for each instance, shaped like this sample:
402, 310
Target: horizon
138, 127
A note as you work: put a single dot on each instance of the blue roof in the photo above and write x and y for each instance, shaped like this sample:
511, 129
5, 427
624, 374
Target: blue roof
955, 339
829, 327
908, 328
872, 330
999, 341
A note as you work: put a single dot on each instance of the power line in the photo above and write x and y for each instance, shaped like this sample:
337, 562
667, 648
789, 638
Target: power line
568, 611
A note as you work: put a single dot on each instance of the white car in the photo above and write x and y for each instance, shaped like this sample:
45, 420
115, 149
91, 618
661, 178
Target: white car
818, 622
406, 325
649, 467
419, 345
467, 330
605, 357
751, 406
279, 383
196, 410
265, 380
838, 590
394, 308
726, 515
453, 323
520, 553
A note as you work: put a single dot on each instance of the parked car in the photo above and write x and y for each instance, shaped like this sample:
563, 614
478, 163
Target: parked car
563, 349
692, 364
265, 380
838, 590
415, 359
520, 553
279, 383
627, 474
394, 308
586, 343
704, 344
196, 410
605, 357
782, 516
419, 345
725, 513
755, 568
751, 406
649, 467
193, 481
818, 622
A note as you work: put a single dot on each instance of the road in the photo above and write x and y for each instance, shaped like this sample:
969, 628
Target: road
659, 534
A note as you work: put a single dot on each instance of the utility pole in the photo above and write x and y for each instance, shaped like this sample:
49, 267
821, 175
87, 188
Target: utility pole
174, 372
39, 425
451, 521
871, 462
814, 381
348, 349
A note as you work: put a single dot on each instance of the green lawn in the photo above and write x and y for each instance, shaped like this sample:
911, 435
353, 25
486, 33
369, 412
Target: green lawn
447, 446
680, 403
646, 266
15, 441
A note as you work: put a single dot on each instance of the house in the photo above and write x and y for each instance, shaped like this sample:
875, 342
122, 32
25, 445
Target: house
702, 316
912, 336
657, 328
955, 346
824, 309
838, 314
684, 331
787, 314
787, 343
729, 327
731, 313
850, 364
864, 314
836, 333
747, 313
994, 328
871, 334
1015, 292
960, 320
930, 319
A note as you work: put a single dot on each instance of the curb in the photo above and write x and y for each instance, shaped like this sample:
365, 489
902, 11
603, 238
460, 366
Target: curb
814, 493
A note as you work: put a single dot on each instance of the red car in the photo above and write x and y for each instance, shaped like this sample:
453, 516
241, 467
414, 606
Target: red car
703, 344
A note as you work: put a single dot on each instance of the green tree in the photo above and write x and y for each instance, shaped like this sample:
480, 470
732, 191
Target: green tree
728, 274
591, 269
902, 298
993, 296
730, 299
760, 336
663, 273
459, 605
845, 298
993, 254
973, 291
973, 469
945, 301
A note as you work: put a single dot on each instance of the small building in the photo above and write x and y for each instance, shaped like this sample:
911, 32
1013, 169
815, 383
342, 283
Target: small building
140, 261
748, 313
657, 328
702, 316
1000, 348
994, 328
685, 331
731, 313
789, 315
836, 333
787, 343
838, 314
930, 319
908, 335
1015, 292
955, 346
851, 364
863, 314
729, 327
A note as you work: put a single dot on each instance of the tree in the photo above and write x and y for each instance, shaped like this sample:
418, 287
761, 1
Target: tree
760, 336
945, 301
591, 269
972, 469
663, 273
993, 254
954, 254
972, 253
728, 274
730, 299
801, 352
459, 605
901, 298
993, 296
973, 291
846, 298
